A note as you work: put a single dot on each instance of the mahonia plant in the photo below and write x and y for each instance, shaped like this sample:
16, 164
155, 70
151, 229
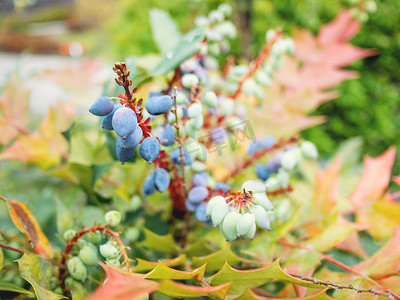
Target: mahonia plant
174, 129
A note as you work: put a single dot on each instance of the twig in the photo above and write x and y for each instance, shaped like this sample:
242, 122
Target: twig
257, 63
74, 240
257, 156
56, 263
339, 287
123, 80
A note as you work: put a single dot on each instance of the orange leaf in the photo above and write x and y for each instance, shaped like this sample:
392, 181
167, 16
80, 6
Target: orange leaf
385, 262
122, 285
27, 224
374, 180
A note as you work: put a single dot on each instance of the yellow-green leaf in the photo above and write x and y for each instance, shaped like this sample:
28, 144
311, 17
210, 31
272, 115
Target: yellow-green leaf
250, 295
24, 220
217, 259
38, 273
11, 287
160, 243
242, 280
1, 260
144, 265
179, 290
161, 271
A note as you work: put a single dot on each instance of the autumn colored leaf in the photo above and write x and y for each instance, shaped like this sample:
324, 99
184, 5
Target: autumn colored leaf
122, 285
385, 262
179, 290
374, 180
24, 220
161, 271
38, 273
242, 280
144, 265
250, 295
352, 244
14, 110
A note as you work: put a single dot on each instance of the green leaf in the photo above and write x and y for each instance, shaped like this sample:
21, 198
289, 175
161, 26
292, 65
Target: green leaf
161, 271
178, 290
78, 291
11, 287
144, 265
164, 29
217, 259
1, 259
160, 243
187, 46
38, 273
242, 280
250, 295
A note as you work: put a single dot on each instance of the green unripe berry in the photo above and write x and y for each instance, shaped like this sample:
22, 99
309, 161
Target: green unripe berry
132, 234
214, 49
261, 217
198, 167
114, 262
229, 225
171, 115
211, 182
76, 268
181, 98
227, 107
109, 251
219, 212
94, 237
282, 178
250, 234
195, 110
136, 203
263, 78
245, 223
262, 200
289, 159
190, 80
309, 150
225, 9
269, 34
88, 255
190, 129
69, 234
113, 217
214, 201
255, 186
209, 99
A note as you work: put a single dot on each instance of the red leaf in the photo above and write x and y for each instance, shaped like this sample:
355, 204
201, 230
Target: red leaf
374, 180
122, 285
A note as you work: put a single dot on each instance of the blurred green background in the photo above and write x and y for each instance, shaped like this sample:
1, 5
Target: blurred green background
368, 107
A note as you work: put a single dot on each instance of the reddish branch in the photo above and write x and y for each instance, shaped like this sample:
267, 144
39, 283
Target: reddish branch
71, 243
258, 155
56, 263
257, 63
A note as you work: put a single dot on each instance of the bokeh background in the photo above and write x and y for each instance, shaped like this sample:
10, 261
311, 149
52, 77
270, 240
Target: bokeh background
50, 31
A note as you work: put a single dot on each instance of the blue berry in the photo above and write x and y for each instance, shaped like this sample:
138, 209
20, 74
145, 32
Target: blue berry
167, 136
131, 141
274, 164
198, 194
161, 179
124, 155
254, 146
267, 142
102, 106
200, 179
149, 187
106, 123
262, 171
124, 121
149, 149
157, 105
201, 212
176, 158
222, 186
190, 206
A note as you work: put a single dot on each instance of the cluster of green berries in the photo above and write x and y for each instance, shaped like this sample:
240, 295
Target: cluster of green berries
239, 214
361, 9
219, 30
87, 253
